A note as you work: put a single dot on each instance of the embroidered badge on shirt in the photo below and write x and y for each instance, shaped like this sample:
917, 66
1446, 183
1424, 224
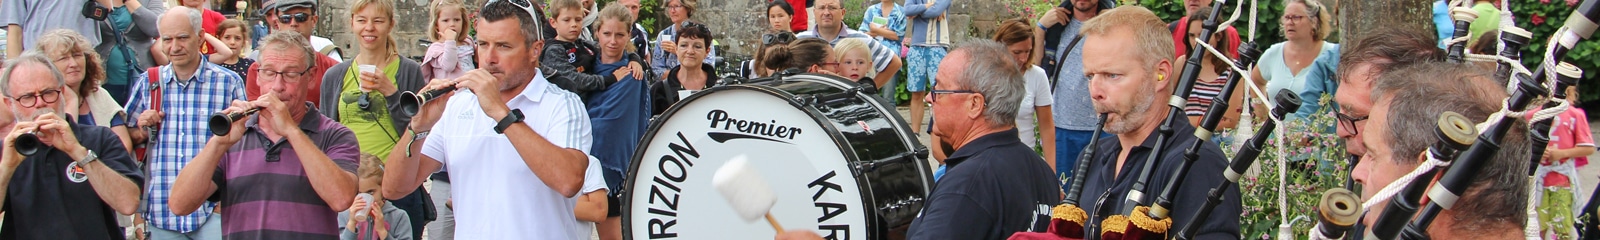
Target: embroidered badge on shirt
76, 173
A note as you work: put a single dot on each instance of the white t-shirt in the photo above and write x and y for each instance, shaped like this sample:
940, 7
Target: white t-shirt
1038, 95
592, 181
498, 196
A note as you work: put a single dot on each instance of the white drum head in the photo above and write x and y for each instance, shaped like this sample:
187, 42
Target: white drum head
670, 192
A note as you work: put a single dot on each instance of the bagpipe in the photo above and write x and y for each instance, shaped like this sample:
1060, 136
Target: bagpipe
1457, 169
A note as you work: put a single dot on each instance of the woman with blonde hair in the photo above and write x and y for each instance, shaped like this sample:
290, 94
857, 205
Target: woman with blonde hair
364, 93
1306, 24
84, 73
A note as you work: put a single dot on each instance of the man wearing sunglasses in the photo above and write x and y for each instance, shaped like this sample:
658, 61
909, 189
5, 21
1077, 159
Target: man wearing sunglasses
77, 183
511, 177
172, 109
299, 16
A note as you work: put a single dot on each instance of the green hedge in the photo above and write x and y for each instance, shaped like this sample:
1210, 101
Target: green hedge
1542, 18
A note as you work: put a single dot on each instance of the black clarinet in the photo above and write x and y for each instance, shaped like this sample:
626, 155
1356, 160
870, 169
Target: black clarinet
411, 102
1080, 169
1460, 174
1285, 102
1455, 133
1463, 19
1180, 95
1337, 212
1219, 108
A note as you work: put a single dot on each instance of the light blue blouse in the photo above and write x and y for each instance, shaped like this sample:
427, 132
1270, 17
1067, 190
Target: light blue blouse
1310, 86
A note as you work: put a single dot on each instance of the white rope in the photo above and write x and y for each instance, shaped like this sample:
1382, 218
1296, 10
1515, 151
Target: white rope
1532, 229
1399, 184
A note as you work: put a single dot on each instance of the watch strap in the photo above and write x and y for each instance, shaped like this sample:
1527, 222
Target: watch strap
515, 116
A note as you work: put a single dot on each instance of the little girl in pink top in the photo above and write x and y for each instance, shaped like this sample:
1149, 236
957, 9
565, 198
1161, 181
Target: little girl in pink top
450, 55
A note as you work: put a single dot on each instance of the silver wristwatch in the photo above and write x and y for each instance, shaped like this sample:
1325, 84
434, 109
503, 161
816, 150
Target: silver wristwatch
88, 158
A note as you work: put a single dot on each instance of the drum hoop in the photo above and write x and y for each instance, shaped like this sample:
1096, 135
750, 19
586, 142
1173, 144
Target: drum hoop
816, 116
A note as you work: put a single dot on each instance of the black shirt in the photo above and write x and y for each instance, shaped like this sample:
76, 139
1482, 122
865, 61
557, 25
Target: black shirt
993, 186
44, 201
1206, 173
664, 93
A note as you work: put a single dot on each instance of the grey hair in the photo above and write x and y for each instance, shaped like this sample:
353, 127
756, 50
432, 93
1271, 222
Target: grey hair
1417, 95
30, 57
194, 18
991, 72
289, 41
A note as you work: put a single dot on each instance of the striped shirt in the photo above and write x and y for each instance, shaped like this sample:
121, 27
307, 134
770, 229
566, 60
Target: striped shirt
183, 132
881, 55
1204, 92
263, 186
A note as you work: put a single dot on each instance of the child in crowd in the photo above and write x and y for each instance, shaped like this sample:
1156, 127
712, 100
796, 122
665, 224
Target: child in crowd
855, 60
591, 207
369, 204
450, 55
236, 36
568, 62
1557, 174
756, 66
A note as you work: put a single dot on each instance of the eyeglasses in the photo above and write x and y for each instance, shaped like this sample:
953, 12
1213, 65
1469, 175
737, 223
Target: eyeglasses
1293, 18
776, 38
674, 7
291, 77
934, 94
297, 17
32, 99
1348, 123
696, 26
829, 8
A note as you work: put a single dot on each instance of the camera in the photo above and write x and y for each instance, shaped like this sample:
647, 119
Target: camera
93, 10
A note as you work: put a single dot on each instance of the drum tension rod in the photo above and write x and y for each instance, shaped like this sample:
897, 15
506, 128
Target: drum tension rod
907, 157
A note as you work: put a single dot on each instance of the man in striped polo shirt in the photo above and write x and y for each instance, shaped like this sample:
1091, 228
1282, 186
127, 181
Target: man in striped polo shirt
283, 173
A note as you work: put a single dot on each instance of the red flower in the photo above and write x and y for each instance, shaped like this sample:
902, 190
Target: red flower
1544, 1
1537, 19
1572, 2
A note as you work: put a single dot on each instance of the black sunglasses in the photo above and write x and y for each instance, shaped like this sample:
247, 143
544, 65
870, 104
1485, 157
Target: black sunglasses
776, 38
300, 17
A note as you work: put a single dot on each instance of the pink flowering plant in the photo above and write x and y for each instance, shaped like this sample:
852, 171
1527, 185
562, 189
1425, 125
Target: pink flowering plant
1316, 162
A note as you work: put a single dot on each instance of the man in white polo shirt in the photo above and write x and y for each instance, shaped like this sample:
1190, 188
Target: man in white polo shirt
512, 177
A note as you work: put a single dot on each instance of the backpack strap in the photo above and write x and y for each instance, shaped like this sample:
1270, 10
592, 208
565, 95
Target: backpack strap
155, 87
1062, 57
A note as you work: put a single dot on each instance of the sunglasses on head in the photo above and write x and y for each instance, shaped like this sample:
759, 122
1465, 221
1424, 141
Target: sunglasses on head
525, 5
297, 17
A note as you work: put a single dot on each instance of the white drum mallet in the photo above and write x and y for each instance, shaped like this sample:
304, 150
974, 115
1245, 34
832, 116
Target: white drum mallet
746, 191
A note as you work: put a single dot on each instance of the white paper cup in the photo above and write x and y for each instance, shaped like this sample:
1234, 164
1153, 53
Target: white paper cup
366, 69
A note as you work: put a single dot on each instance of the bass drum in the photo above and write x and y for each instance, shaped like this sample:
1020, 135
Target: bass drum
838, 160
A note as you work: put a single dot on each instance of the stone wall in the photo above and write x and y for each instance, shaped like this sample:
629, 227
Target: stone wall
411, 24
736, 24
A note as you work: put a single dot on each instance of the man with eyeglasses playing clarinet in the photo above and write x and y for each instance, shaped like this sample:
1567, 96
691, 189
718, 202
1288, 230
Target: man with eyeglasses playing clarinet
77, 177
